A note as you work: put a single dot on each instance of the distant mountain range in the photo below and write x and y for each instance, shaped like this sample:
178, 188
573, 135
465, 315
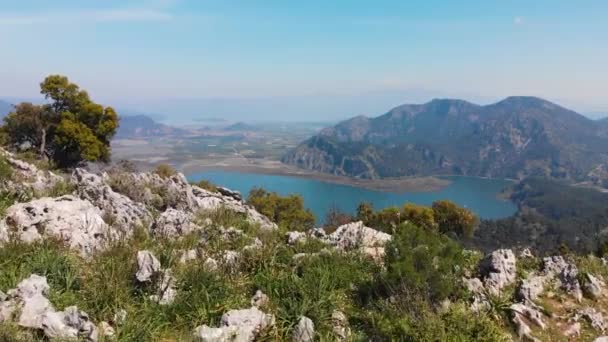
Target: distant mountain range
240, 126
140, 126
514, 138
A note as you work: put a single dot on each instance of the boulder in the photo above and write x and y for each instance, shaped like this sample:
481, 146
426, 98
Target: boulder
304, 331
530, 313
147, 266
125, 212
593, 286
76, 222
498, 270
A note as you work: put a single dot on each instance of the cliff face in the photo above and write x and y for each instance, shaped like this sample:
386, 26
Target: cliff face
514, 138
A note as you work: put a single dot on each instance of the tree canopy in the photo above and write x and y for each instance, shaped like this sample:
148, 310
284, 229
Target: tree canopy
69, 130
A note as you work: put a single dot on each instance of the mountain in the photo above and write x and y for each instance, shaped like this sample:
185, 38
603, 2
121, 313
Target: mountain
241, 126
514, 138
5, 108
139, 126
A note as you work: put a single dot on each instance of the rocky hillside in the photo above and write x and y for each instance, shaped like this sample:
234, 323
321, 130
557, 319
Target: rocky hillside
514, 138
123, 256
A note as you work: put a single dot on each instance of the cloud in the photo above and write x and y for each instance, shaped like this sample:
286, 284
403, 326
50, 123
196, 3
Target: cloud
519, 20
160, 13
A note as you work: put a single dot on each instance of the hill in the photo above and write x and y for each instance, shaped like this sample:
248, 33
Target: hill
240, 127
138, 126
514, 138
550, 215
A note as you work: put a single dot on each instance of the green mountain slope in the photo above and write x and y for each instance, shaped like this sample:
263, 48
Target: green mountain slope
514, 138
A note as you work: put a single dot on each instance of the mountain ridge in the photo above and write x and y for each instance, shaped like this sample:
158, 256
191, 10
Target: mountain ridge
517, 137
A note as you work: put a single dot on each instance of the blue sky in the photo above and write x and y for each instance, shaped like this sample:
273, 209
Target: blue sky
334, 58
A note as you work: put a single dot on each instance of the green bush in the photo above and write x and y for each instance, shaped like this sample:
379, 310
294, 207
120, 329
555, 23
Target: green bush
424, 261
287, 211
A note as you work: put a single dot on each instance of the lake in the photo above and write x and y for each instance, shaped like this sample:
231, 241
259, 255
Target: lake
477, 194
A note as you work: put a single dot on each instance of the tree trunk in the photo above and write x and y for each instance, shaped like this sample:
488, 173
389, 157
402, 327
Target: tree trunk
43, 144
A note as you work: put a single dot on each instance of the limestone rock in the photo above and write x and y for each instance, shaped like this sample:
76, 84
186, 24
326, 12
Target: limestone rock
293, 238
173, 223
166, 291
339, 324
120, 317
593, 286
205, 333
105, 329
526, 253
259, 299
532, 287
595, 318
236, 325
29, 175
36, 312
210, 265
530, 312
147, 266
125, 212
304, 331
188, 255
499, 270
72, 220
250, 322
355, 236
230, 193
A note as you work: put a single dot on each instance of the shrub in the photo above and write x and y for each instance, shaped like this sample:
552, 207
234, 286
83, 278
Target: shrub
165, 170
424, 261
420, 216
287, 211
454, 219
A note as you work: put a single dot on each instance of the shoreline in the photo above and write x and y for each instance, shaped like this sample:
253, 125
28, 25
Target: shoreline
393, 185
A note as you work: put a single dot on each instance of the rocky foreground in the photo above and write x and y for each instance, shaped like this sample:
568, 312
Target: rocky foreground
176, 232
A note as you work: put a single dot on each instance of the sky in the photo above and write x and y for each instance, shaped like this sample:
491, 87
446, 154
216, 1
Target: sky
306, 60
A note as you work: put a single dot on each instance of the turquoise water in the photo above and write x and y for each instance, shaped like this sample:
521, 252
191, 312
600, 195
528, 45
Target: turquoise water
477, 194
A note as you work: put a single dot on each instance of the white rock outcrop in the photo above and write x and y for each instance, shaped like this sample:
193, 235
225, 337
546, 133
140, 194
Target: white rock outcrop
122, 209
147, 266
356, 236
29, 175
29, 301
72, 220
173, 223
304, 331
498, 270
237, 325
